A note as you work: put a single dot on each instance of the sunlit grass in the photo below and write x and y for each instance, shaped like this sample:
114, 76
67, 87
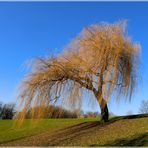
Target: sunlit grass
119, 131
10, 133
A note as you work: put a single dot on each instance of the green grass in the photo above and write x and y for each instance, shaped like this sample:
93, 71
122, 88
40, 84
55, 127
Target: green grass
10, 133
119, 131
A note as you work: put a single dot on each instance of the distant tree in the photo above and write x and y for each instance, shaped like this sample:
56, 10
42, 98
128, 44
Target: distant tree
1, 107
8, 111
143, 107
52, 112
91, 114
100, 60
96, 114
88, 114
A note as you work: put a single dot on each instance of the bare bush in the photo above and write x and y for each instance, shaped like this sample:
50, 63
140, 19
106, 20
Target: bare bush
7, 111
144, 107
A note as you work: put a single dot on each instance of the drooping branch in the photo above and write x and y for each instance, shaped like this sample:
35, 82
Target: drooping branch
101, 59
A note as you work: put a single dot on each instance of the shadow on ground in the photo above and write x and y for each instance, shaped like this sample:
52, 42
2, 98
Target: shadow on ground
137, 140
128, 117
87, 127
73, 132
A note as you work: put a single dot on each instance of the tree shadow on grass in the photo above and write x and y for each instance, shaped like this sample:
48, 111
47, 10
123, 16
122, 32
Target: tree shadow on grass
82, 129
91, 124
127, 117
137, 140
73, 132
87, 127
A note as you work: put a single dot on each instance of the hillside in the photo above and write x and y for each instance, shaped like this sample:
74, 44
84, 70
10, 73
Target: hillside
119, 131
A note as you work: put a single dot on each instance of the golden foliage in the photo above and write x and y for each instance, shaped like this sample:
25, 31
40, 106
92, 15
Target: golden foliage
101, 59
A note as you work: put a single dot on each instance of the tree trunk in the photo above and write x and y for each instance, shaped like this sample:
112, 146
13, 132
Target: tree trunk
104, 109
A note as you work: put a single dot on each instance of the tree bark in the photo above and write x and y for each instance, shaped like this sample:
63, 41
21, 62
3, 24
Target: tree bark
104, 109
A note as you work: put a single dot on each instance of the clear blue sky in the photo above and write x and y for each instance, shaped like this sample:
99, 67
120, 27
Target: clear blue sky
30, 29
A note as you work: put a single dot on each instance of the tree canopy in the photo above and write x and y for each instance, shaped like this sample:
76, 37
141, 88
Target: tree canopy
102, 59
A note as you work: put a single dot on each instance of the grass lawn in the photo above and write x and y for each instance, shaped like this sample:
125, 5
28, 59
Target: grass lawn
119, 131
10, 133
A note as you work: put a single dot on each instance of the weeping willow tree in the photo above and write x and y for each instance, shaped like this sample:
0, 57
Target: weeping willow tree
102, 60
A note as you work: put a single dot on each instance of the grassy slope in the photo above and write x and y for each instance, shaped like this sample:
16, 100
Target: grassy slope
10, 133
120, 131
